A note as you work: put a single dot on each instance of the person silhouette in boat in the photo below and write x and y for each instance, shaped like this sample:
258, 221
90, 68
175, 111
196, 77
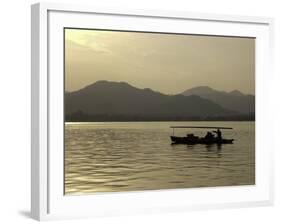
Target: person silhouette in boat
219, 135
209, 136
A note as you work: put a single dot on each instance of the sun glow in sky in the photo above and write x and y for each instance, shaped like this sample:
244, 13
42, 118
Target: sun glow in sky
167, 63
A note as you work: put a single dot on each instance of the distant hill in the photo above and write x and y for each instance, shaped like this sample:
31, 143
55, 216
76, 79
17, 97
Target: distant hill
119, 101
234, 100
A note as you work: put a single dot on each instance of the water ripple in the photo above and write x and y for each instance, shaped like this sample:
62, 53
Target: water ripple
106, 157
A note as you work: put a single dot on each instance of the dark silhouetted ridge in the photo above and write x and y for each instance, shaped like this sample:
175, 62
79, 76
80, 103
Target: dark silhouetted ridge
234, 100
119, 101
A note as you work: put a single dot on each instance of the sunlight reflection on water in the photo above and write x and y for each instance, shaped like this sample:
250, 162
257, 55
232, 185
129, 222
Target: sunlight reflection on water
133, 156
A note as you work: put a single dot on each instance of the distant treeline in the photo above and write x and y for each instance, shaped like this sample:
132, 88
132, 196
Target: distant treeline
80, 116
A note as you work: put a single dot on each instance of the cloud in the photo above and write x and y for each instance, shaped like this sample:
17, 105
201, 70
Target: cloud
88, 40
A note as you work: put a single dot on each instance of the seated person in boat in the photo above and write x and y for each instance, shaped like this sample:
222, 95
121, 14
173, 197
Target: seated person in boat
209, 135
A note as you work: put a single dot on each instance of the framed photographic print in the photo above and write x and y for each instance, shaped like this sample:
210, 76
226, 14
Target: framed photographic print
137, 111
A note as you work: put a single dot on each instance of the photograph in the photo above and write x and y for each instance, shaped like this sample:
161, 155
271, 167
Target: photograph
157, 111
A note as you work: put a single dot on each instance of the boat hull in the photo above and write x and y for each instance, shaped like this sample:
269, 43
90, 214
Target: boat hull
188, 141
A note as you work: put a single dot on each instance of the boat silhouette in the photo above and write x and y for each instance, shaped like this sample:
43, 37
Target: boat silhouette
191, 139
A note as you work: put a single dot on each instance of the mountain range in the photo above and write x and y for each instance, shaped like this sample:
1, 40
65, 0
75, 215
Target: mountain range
119, 101
234, 100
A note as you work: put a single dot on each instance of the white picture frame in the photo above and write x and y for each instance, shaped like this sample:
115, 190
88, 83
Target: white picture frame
47, 198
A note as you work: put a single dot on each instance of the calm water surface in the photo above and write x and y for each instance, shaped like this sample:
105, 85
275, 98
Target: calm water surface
133, 156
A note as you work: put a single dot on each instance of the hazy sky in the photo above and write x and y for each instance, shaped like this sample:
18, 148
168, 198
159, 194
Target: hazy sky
167, 63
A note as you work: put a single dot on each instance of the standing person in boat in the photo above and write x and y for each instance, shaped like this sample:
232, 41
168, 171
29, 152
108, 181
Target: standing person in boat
219, 135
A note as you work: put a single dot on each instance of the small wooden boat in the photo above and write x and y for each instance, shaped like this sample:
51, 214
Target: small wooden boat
191, 139
187, 140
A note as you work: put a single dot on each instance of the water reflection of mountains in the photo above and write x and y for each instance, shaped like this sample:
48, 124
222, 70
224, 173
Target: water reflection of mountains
119, 101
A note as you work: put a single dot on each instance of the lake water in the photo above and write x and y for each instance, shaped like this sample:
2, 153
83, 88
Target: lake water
134, 156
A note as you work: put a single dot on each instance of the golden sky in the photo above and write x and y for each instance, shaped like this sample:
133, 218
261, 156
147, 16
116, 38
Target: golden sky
167, 63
